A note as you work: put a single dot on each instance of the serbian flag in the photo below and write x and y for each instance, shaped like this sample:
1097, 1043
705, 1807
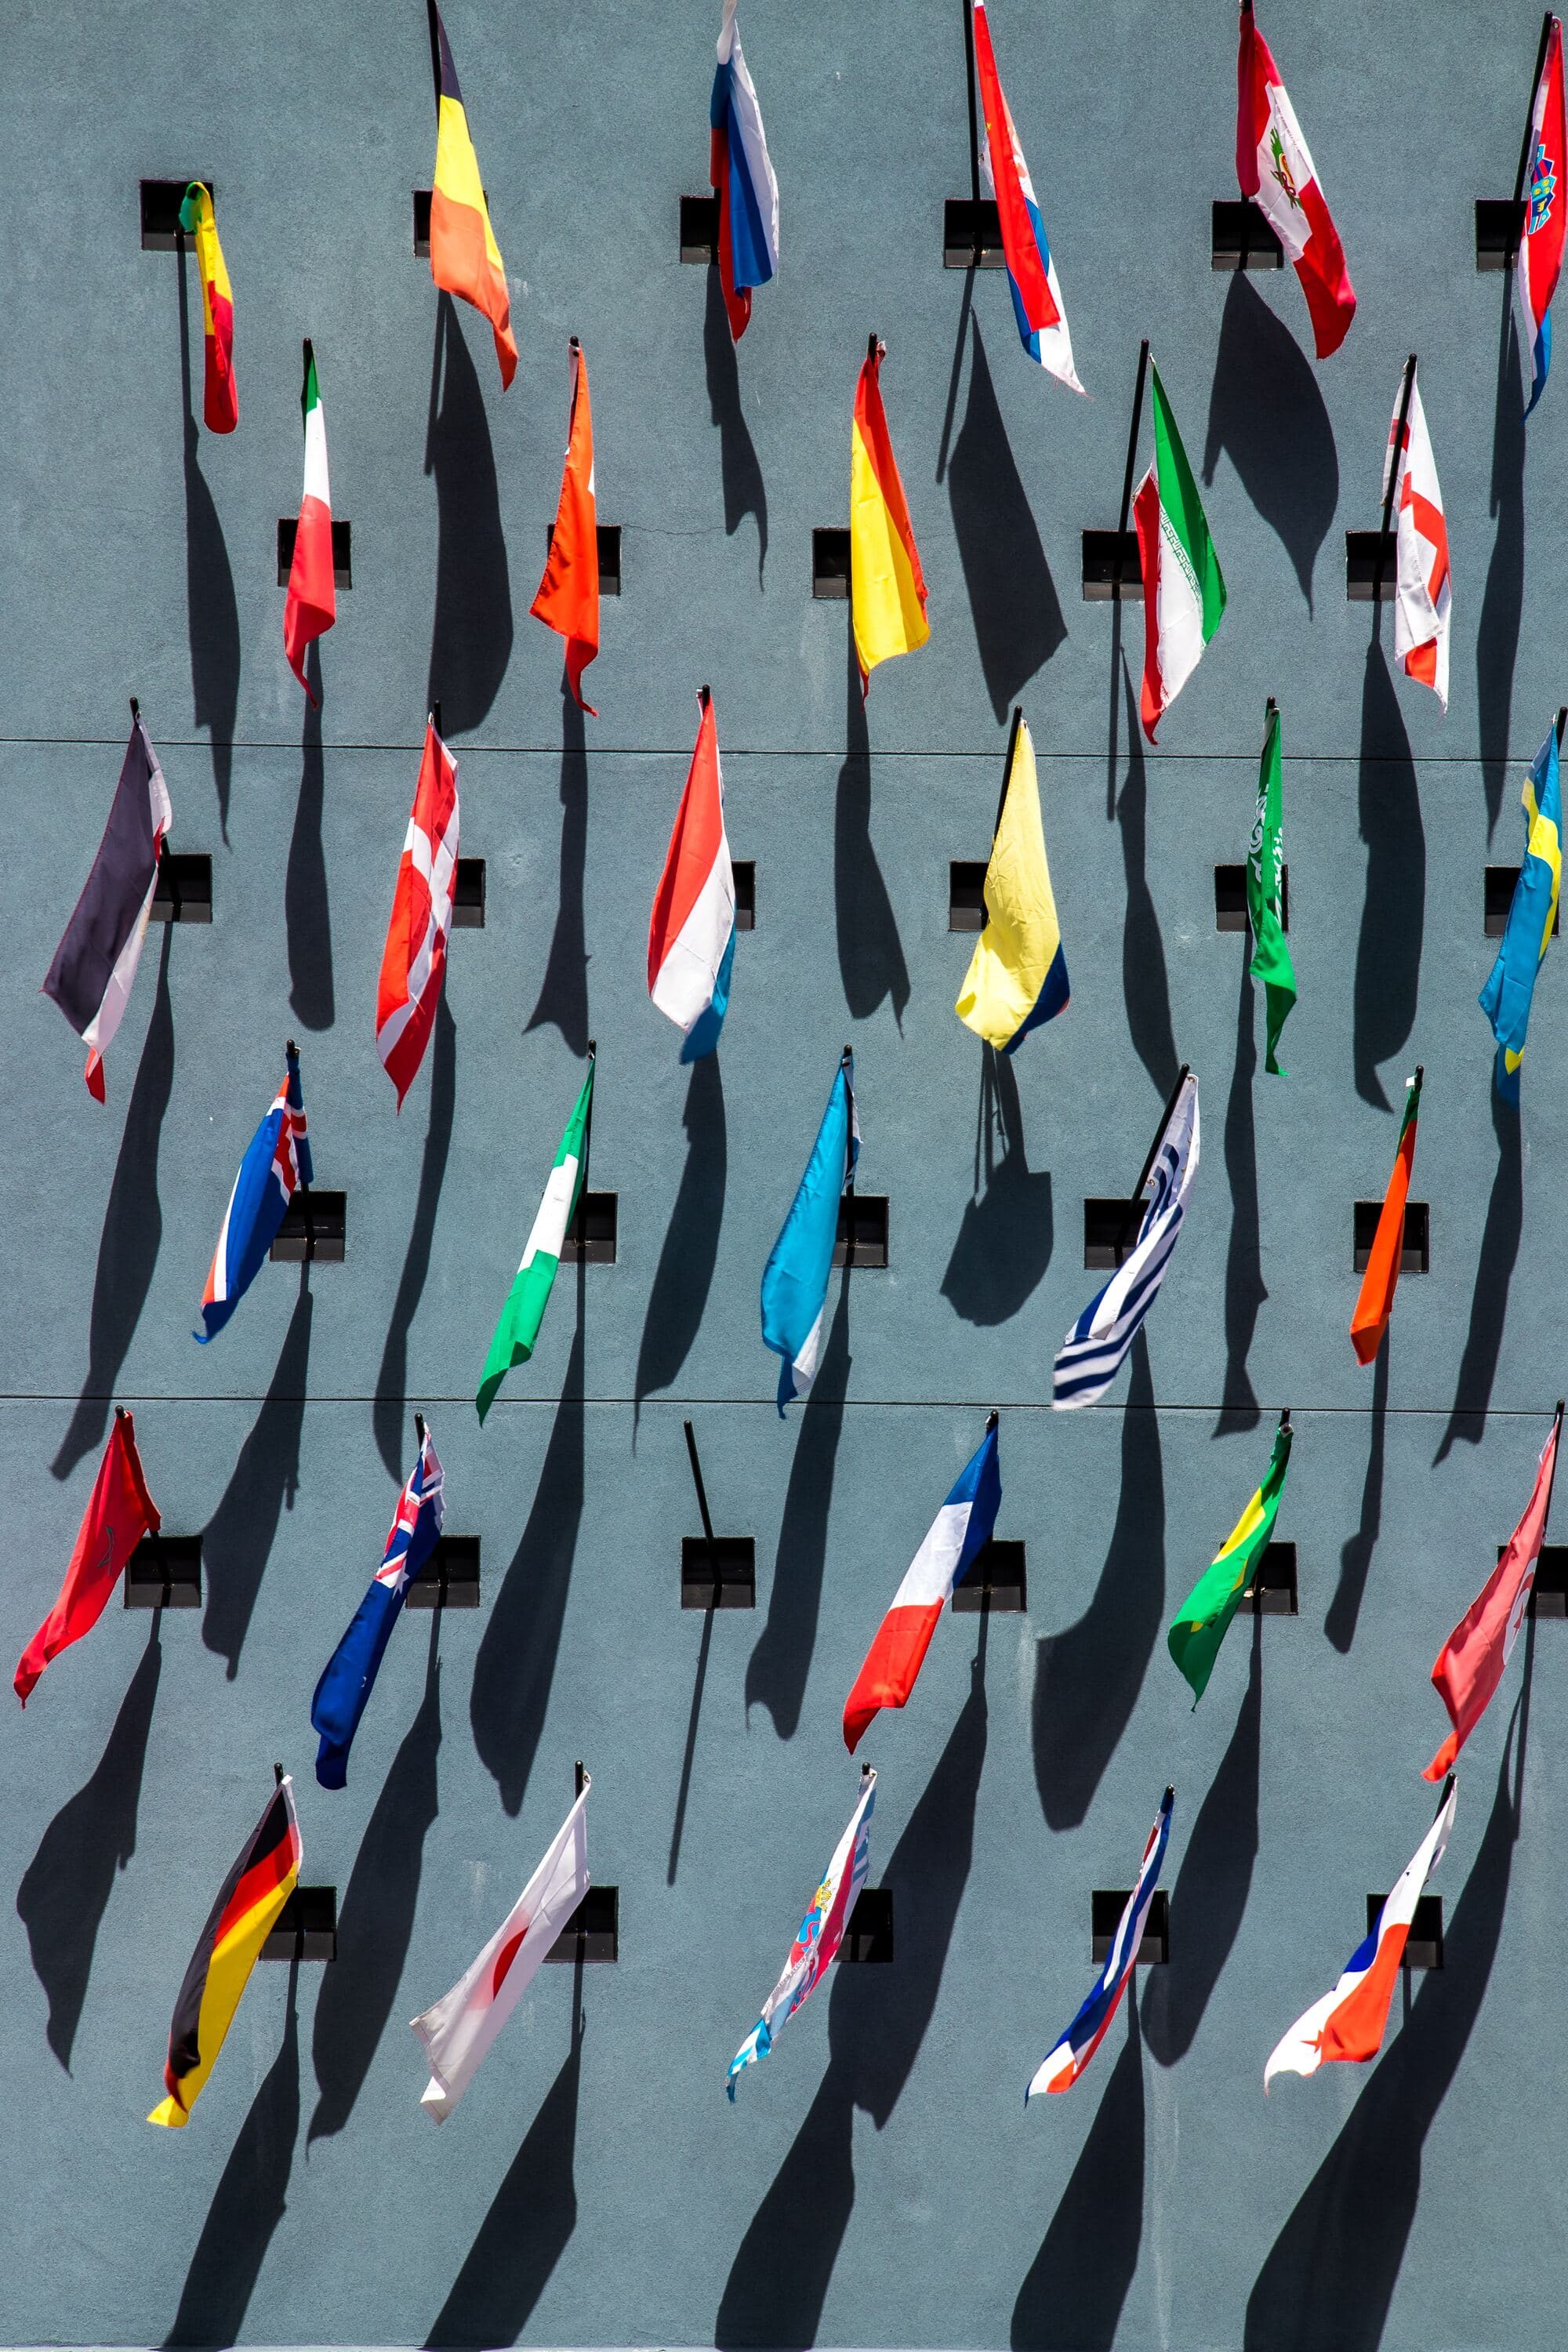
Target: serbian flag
1349, 2022
119, 1512
1274, 168
311, 605
465, 258
95, 963
349, 1676
1470, 1662
1031, 272
1424, 599
819, 1936
1542, 232
413, 962
220, 395
741, 170
457, 2029
277, 1160
691, 932
1059, 2069
957, 1536
1374, 1302
228, 1947
568, 598
887, 586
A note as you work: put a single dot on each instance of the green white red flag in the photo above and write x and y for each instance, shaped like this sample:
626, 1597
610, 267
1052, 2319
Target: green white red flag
313, 602
530, 1294
1184, 588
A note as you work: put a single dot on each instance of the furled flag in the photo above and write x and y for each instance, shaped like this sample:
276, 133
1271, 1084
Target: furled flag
349, 1676
413, 962
530, 1294
1542, 230
311, 606
220, 394
887, 586
739, 168
1273, 167
1093, 1352
820, 1935
1374, 1301
692, 931
1470, 1663
795, 1279
1423, 600
1017, 976
1031, 272
119, 1512
568, 597
1203, 1621
1349, 2022
956, 1538
1060, 2067
1532, 913
96, 961
1184, 588
276, 1160
1265, 896
465, 258
457, 2029
228, 1948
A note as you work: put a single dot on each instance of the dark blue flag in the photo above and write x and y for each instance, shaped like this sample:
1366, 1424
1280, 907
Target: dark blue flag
350, 1670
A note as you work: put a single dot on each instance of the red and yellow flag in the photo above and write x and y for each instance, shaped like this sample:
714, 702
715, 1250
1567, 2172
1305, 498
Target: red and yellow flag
568, 598
220, 395
1378, 1284
887, 586
465, 258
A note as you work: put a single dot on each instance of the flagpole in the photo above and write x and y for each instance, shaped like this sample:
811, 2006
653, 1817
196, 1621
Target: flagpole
1131, 460
1008, 770
1561, 721
702, 1506
974, 127
1396, 455
1557, 1432
1136, 1201
1530, 113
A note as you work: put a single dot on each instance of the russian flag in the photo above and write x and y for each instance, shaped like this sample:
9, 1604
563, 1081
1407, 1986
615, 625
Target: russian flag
1545, 224
741, 170
1059, 2069
692, 931
277, 1160
1031, 273
349, 1676
958, 1534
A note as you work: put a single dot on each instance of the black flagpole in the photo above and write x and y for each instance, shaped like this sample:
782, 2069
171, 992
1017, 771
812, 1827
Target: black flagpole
1396, 457
1131, 460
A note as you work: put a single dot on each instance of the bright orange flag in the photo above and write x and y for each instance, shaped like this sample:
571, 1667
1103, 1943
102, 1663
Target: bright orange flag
1378, 1284
887, 586
568, 598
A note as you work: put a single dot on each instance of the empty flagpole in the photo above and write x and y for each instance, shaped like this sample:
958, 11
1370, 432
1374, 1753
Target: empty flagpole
1529, 114
1131, 461
974, 127
702, 1506
1396, 458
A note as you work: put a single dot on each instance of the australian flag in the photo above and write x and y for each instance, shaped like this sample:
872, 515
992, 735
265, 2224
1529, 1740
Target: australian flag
276, 1160
350, 1670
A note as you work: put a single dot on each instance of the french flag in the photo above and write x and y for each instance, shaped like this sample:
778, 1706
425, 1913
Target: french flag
741, 170
692, 931
1031, 273
276, 1160
1545, 222
1059, 2069
958, 1534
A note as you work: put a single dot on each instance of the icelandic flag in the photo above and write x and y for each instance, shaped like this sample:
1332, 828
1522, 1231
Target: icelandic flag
741, 170
1031, 272
277, 1160
821, 1933
1544, 225
1059, 2069
692, 931
349, 1676
957, 1536
1506, 998
1095, 1349
96, 961
1349, 2022
795, 1279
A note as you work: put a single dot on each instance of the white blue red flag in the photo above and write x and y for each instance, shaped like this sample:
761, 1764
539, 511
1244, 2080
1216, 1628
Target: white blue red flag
692, 931
1031, 272
741, 170
1060, 2067
349, 1676
96, 961
795, 1277
1544, 225
1095, 1349
276, 1160
821, 1932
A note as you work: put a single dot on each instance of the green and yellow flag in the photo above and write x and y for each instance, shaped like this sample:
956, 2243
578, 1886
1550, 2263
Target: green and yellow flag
1265, 886
1204, 1619
530, 1294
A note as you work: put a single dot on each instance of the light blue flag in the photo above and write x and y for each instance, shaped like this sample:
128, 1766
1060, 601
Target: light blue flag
795, 1280
1505, 998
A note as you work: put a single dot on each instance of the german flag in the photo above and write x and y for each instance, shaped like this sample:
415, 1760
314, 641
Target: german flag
246, 1908
465, 258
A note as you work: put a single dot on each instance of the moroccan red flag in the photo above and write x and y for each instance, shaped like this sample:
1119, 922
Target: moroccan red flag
414, 964
312, 601
568, 598
119, 1512
1375, 1303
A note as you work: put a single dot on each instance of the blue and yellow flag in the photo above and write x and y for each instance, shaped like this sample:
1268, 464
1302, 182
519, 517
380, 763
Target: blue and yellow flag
1505, 998
1017, 976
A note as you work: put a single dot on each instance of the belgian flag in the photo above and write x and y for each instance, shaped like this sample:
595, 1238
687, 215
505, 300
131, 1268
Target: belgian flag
465, 258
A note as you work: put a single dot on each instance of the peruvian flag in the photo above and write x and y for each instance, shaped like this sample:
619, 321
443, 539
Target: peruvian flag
119, 1512
958, 1534
312, 601
692, 931
1545, 219
1425, 597
1274, 168
568, 598
414, 963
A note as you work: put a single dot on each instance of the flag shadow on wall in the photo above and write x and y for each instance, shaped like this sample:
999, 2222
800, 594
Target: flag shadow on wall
780, 1662
389, 1411
237, 1539
745, 493
1013, 600
471, 631
1076, 2284
1266, 413
1005, 1236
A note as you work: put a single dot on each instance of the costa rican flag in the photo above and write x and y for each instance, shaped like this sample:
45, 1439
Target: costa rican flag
350, 1674
1059, 2069
1423, 600
1544, 228
414, 963
1095, 1349
739, 168
1031, 272
692, 931
276, 1160
95, 963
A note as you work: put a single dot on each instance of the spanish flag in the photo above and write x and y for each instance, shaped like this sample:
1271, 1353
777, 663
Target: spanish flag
887, 586
1017, 976
568, 598
245, 1911
1375, 1304
465, 258
220, 399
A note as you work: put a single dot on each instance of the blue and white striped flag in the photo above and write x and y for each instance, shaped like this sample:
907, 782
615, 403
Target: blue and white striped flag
796, 1278
1092, 1353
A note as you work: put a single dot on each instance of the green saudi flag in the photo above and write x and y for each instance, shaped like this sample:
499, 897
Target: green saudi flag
1265, 881
530, 1294
1204, 1619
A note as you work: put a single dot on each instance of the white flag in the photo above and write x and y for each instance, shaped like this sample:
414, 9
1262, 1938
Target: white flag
1421, 612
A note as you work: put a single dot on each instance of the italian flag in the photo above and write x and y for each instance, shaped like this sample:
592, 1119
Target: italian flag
312, 601
1184, 588
530, 1294
1204, 1619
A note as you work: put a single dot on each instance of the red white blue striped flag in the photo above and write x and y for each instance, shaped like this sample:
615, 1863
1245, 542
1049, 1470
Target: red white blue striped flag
1062, 2065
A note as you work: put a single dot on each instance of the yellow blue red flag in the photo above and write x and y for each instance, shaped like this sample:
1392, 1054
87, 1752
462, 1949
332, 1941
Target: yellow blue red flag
1505, 998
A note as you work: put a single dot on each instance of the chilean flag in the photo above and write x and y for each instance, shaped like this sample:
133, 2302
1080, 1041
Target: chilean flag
1059, 2069
349, 1676
692, 931
739, 168
277, 1160
958, 1534
1545, 225
1274, 168
414, 963
1031, 273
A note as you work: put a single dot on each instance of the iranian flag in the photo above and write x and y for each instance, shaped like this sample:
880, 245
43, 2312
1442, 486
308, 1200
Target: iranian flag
313, 602
1274, 168
1184, 588
530, 1294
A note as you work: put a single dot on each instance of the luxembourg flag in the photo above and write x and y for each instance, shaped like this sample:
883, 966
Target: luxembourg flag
692, 931
1031, 272
741, 170
958, 1534
349, 1676
1059, 2069
277, 1160
1545, 224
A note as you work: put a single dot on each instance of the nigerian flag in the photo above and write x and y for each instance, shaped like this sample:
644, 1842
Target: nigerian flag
530, 1294
1204, 1619
1265, 876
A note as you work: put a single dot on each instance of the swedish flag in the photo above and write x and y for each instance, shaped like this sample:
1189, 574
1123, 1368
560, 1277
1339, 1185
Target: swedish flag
1505, 998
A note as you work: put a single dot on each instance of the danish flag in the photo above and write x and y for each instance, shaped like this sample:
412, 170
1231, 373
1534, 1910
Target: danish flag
414, 961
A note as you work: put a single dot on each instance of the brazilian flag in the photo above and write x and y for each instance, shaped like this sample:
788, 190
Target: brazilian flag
1204, 1619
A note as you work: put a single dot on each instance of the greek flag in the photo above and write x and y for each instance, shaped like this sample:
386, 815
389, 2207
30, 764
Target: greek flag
1092, 1354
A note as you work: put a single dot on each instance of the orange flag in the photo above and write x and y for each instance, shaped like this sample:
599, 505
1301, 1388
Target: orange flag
1378, 1284
568, 598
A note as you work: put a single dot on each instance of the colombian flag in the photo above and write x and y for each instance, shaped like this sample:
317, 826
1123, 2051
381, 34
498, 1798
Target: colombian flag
1375, 1303
465, 258
243, 1917
220, 398
887, 586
